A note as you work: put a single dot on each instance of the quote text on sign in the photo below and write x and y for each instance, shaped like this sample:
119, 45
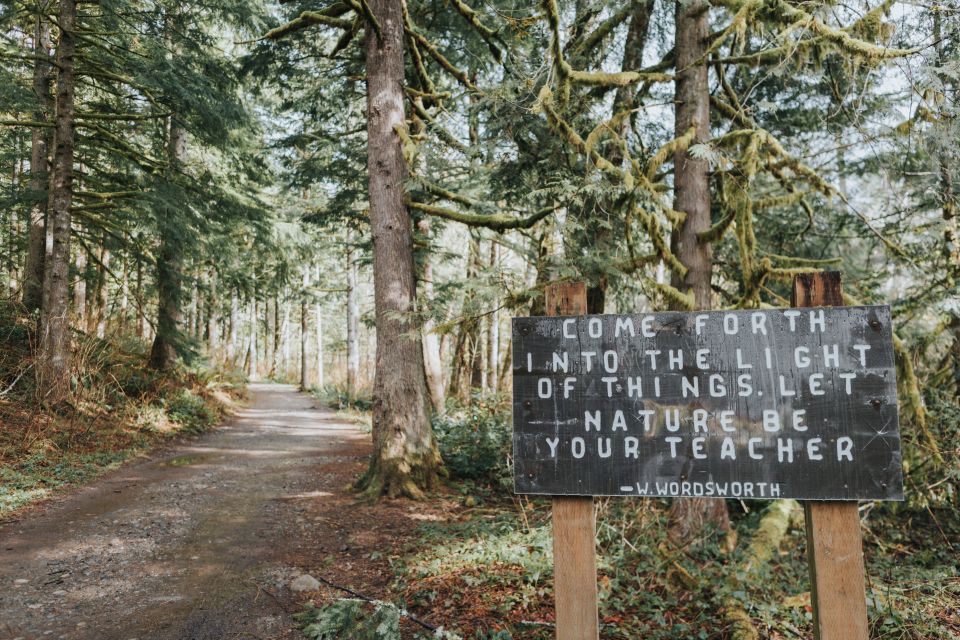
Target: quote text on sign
753, 404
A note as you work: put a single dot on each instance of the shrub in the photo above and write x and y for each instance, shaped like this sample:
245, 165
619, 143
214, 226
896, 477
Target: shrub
190, 411
348, 618
475, 441
337, 398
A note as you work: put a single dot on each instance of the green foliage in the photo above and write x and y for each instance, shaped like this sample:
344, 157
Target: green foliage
339, 398
351, 618
497, 563
36, 475
192, 412
475, 441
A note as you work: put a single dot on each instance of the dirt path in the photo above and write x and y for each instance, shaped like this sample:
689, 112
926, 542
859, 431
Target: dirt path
199, 542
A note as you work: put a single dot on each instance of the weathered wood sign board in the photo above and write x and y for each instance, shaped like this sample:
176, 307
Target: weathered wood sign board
784, 403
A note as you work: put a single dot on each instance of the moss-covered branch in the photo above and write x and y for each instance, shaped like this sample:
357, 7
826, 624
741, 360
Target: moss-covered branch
488, 34
305, 20
493, 221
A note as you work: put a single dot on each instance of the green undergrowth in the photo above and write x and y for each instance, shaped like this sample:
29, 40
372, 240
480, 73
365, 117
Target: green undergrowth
487, 572
492, 572
118, 409
353, 407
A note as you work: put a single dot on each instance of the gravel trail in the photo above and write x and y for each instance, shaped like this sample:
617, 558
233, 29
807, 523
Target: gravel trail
188, 544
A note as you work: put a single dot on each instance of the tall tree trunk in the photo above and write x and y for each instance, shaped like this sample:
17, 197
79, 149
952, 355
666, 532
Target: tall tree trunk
193, 309
138, 298
234, 328
97, 313
33, 270
405, 459
432, 364
269, 332
285, 331
318, 314
353, 328
213, 316
54, 354
124, 307
689, 516
103, 298
252, 364
166, 344
80, 290
493, 331
304, 332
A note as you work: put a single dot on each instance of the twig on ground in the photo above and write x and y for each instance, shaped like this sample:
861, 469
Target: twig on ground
360, 596
15, 381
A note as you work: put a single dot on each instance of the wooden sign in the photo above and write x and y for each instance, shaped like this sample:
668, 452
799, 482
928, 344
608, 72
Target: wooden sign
783, 403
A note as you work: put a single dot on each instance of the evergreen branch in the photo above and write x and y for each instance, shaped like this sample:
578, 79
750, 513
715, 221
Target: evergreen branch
797, 19
488, 34
303, 21
26, 123
566, 73
418, 63
448, 66
436, 190
716, 232
346, 38
417, 93
606, 28
493, 221
444, 135
107, 195
122, 116
615, 79
565, 129
681, 300
676, 145
362, 8
809, 261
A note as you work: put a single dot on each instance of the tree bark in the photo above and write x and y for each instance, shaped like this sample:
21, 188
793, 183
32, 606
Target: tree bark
33, 270
269, 331
166, 344
213, 316
138, 298
54, 354
353, 328
405, 459
124, 306
97, 313
234, 329
252, 364
690, 516
432, 364
493, 331
80, 290
304, 332
318, 320
285, 331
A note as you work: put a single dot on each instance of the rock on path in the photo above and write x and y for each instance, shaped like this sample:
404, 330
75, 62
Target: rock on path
186, 545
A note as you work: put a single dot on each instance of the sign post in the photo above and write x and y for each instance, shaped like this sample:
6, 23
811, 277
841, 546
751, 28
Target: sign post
574, 520
773, 403
834, 543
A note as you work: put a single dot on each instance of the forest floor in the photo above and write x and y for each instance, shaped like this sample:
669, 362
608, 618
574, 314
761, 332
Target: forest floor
204, 539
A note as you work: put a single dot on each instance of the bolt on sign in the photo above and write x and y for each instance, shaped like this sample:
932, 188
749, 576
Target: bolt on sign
776, 403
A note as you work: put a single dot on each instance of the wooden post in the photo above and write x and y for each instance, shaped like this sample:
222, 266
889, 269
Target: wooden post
834, 545
574, 520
